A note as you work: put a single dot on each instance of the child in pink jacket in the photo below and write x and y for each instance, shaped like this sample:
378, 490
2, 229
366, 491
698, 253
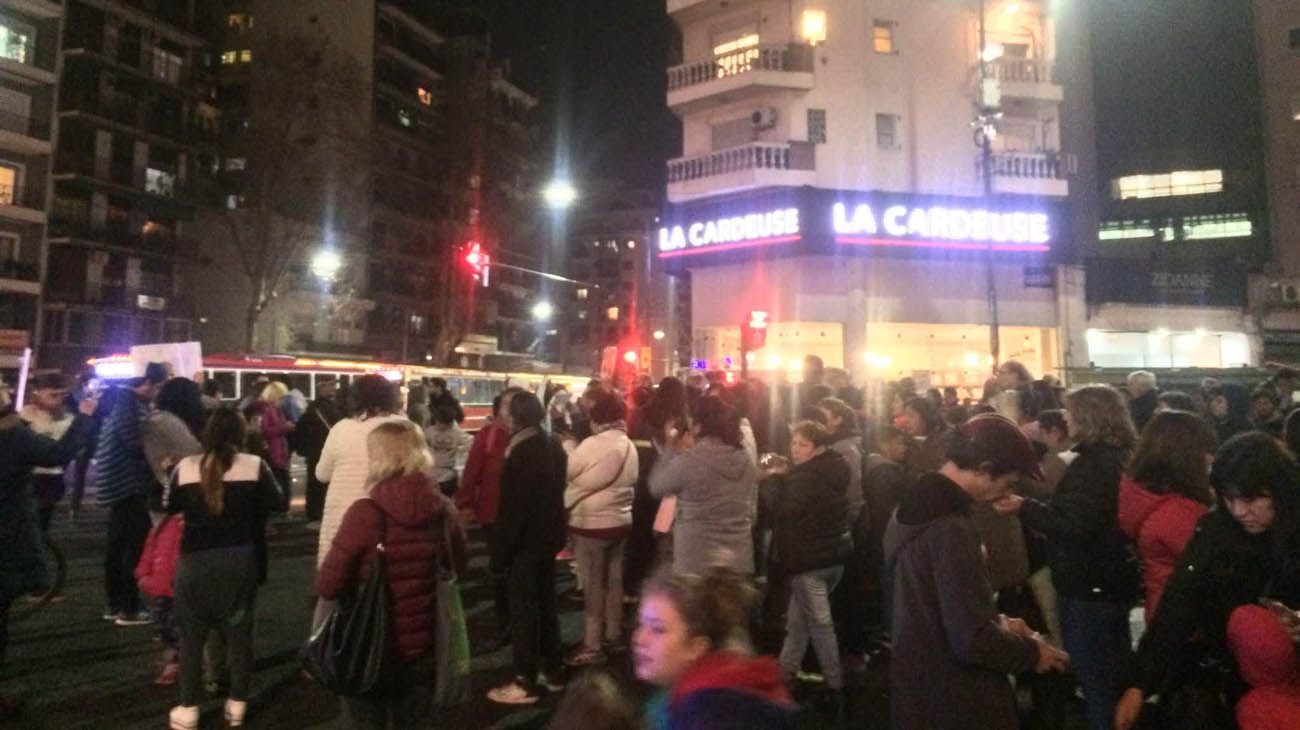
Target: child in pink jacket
154, 574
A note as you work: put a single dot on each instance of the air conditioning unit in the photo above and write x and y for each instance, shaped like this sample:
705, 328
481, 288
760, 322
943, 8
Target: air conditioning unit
764, 118
1290, 291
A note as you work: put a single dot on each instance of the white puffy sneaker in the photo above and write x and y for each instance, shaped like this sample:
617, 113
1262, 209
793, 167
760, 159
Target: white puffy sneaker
184, 717
235, 710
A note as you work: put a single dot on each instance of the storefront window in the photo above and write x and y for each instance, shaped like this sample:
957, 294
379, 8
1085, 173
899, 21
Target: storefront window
1164, 349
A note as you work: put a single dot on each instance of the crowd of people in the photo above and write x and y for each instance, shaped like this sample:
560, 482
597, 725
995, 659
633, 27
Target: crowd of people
776, 540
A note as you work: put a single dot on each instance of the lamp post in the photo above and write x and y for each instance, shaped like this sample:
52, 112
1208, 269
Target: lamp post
984, 133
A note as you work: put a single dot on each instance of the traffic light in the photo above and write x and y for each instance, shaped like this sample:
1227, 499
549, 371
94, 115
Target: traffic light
478, 261
754, 333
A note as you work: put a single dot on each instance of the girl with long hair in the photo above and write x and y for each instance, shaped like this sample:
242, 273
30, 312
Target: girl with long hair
225, 497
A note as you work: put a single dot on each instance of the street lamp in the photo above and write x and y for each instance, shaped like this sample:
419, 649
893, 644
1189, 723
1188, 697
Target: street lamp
543, 311
326, 263
659, 334
559, 194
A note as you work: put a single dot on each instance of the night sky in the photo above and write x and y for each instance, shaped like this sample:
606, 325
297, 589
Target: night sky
598, 68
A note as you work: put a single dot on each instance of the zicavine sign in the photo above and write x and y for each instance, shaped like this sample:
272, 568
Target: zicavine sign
753, 229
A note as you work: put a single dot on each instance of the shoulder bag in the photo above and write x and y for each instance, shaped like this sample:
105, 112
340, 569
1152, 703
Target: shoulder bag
352, 653
622, 467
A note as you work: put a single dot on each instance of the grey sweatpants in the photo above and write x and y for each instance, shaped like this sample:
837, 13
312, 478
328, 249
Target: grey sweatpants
216, 589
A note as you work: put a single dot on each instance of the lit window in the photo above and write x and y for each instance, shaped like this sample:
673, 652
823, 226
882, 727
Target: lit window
15, 39
242, 21
582, 295
882, 37
736, 53
8, 184
160, 182
404, 117
887, 131
166, 66
1163, 185
1122, 230
236, 163
228, 58
814, 26
245, 56
612, 314
232, 202
1200, 228
426, 96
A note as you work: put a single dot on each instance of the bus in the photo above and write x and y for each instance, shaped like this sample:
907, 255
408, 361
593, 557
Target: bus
237, 372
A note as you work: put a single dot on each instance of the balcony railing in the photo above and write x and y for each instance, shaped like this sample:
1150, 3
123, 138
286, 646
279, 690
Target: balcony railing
1030, 165
25, 125
22, 196
756, 156
10, 269
1021, 70
161, 240
791, 57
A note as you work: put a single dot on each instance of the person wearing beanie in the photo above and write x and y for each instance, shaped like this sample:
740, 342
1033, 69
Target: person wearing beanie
952, 650
1266, 658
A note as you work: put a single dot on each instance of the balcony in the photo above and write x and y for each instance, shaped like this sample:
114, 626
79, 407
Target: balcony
689, 11
757, 165
22, 204
1031, 173
738, 75
1025, 79
24, 134
19, 276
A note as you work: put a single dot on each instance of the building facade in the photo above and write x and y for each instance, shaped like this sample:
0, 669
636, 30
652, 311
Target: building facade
29, 65
1183, 215
1276, 294
830, 178
133, 119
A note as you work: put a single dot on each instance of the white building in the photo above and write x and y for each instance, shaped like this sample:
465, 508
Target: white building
830, 177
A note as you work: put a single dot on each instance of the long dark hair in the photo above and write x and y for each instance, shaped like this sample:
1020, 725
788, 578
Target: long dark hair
180, 397
222, 439
1252, 465
718, 420
373, 395
1170, 456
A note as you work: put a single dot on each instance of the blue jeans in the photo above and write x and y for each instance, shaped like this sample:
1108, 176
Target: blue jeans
809, 617
1096, 635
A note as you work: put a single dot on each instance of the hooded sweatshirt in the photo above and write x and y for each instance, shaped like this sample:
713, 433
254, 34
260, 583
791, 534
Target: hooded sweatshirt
411, 516
717, 497
1160, 526
1266, 659
1238, 418
951, 655
725, 690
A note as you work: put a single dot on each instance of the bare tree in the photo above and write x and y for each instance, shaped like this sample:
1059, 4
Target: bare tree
303, 179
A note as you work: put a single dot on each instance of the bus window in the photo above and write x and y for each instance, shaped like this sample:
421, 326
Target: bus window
227, 380
246, 380
301, 381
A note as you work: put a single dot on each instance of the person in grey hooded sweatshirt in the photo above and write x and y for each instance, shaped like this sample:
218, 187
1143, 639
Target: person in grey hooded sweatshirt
952, 650
716, 486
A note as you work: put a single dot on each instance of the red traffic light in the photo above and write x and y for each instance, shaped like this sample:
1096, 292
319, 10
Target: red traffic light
631, 357
476, 257
758, 319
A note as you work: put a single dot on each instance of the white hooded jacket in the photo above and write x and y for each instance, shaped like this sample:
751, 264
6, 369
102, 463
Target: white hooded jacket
602, 481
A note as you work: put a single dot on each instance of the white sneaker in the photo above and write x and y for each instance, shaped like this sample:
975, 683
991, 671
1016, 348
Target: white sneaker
552, 684
513, 693
183, 717
314, 526
235, 710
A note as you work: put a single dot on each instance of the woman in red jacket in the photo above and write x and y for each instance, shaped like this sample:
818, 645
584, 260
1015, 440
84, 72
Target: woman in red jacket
406, 511
1165, 490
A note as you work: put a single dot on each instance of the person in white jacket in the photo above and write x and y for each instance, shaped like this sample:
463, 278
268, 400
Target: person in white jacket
602, 474
345, 462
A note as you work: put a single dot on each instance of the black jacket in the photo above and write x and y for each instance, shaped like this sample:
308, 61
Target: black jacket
1221, 568
308, 437
1089, 556
1142, 408
448, 400
810, 515
531, 518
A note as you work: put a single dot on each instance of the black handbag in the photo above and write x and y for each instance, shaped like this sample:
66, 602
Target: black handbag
352, 653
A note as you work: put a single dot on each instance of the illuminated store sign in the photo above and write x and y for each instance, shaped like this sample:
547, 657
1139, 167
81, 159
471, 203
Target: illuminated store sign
940, 227
743, 231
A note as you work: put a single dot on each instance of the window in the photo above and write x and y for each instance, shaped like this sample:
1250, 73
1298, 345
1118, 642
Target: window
1294, 38
817, 126
8, 184
236, 163
242, 21
166, 66
426, 96
160, 182
8, 247
612, 314
1168, 184
887, 131
232, 202
16, 39
882, 37
582, 295
229, 58
736, 51
404, 117
245, 56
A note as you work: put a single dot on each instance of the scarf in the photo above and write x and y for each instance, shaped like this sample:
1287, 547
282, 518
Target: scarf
521, 436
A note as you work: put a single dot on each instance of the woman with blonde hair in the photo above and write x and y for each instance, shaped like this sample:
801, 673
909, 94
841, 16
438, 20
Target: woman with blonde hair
1093, 569
275, 429
409, 516
225, 497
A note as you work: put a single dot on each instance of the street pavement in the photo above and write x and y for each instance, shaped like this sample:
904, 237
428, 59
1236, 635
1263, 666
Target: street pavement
75, 670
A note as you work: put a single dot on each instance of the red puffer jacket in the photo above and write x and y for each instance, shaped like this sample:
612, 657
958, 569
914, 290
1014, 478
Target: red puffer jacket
480, 485
1160, 526
412, 512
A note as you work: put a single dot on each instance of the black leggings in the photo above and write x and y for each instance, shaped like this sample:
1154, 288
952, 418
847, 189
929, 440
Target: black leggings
216, 589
